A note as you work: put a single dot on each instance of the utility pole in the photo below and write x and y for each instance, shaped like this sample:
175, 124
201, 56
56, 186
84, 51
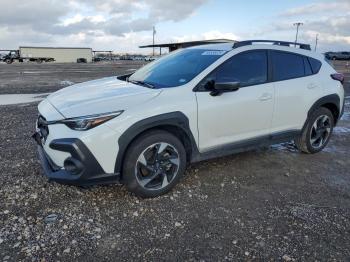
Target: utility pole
316, 42
154, 32
296, 36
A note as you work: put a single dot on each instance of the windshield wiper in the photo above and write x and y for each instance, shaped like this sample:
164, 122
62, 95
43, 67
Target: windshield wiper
142, 83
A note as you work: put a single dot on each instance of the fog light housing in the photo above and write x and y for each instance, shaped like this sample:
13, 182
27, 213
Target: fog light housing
73, 166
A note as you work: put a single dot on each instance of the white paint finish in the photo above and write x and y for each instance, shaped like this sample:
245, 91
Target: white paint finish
214, 121
47, 110
102, 141
180, 99
293, 99
100, 96
13, 99
234, 116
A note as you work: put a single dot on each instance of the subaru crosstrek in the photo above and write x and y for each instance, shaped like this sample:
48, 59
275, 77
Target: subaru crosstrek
193, 104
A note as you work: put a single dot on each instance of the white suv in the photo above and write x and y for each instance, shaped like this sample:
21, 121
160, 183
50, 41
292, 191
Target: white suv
193, 104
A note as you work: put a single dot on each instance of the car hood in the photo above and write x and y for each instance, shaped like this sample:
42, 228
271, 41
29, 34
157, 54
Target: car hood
99, 96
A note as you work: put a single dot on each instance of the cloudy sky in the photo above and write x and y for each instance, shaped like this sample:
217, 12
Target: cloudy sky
123, 25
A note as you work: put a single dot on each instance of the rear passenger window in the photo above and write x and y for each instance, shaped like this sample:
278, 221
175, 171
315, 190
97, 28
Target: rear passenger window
287, 66
307, 66
315, 65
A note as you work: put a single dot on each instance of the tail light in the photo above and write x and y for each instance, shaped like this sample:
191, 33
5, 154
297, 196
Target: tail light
339, 77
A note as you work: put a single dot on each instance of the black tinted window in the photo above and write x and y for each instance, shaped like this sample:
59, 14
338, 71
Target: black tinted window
307, 67
287, 66
248, 68
315, 65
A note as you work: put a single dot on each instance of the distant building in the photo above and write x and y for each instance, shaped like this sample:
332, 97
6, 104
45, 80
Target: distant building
175, 46
60, 54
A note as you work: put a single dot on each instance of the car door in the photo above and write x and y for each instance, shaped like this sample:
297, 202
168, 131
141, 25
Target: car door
296, 88
238, 115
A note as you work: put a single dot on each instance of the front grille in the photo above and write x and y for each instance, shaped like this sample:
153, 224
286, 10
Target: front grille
42, 126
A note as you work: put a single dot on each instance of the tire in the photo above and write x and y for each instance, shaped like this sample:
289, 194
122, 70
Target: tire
8, 61
319, 124
153, 164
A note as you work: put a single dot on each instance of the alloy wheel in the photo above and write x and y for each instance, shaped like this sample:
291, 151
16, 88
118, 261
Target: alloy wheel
157, 166
320, 131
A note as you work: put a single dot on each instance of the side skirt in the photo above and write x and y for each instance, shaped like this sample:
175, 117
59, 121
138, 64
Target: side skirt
246, 145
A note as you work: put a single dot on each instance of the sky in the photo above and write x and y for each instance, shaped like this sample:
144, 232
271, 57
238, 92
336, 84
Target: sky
123, 25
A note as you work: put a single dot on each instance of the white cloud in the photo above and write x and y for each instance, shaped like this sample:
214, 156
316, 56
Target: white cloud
330, 20
82, 20
337, 6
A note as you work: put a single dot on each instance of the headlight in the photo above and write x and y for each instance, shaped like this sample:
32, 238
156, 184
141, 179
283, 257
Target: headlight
83, 123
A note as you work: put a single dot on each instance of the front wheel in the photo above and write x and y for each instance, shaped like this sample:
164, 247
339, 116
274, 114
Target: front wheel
154, 163
317, 131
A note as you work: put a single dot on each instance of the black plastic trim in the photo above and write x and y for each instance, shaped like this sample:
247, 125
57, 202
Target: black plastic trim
176, 119
329, 99
248, 144
342, 110
275, 42
90, 171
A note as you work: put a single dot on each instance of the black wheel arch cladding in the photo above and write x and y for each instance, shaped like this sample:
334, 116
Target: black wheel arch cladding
331, 102
168, 122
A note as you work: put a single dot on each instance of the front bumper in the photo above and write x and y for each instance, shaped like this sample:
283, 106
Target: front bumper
84, 170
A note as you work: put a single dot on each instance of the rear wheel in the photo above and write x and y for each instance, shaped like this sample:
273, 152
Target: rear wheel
8, 61
154, 163
317, 131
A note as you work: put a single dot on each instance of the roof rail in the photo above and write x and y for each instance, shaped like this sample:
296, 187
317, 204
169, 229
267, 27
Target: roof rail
274, 42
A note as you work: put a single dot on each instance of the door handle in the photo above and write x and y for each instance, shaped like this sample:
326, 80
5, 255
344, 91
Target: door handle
265, 97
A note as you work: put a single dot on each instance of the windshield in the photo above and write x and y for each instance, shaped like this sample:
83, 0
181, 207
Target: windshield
176, 69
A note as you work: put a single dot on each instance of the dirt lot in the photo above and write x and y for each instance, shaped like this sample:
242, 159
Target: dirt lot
41, 78
269, 204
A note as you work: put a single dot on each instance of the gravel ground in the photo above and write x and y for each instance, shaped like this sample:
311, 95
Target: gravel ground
268, 204
30, 78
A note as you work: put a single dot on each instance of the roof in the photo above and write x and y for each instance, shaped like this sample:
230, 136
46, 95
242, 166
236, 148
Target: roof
221, 47
49, 47
191, 43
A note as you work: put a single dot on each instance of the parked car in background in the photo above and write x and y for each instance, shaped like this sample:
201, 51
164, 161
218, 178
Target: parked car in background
193, 104
81, 60
150, 58
338, 55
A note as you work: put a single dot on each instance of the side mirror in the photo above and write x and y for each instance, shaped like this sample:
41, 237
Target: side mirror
223, 87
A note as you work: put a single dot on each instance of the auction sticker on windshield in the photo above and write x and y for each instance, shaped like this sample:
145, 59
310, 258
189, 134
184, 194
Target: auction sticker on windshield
213, 52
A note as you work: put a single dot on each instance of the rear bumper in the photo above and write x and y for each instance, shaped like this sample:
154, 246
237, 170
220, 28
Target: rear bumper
84, 169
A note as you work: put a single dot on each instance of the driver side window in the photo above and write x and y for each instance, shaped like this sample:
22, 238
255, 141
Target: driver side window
248, 68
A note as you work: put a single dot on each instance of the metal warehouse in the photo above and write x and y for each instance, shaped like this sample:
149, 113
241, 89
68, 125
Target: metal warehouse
60, 54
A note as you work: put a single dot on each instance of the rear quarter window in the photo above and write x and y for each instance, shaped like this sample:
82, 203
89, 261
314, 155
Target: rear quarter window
315, 65
287, 66
308, 70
